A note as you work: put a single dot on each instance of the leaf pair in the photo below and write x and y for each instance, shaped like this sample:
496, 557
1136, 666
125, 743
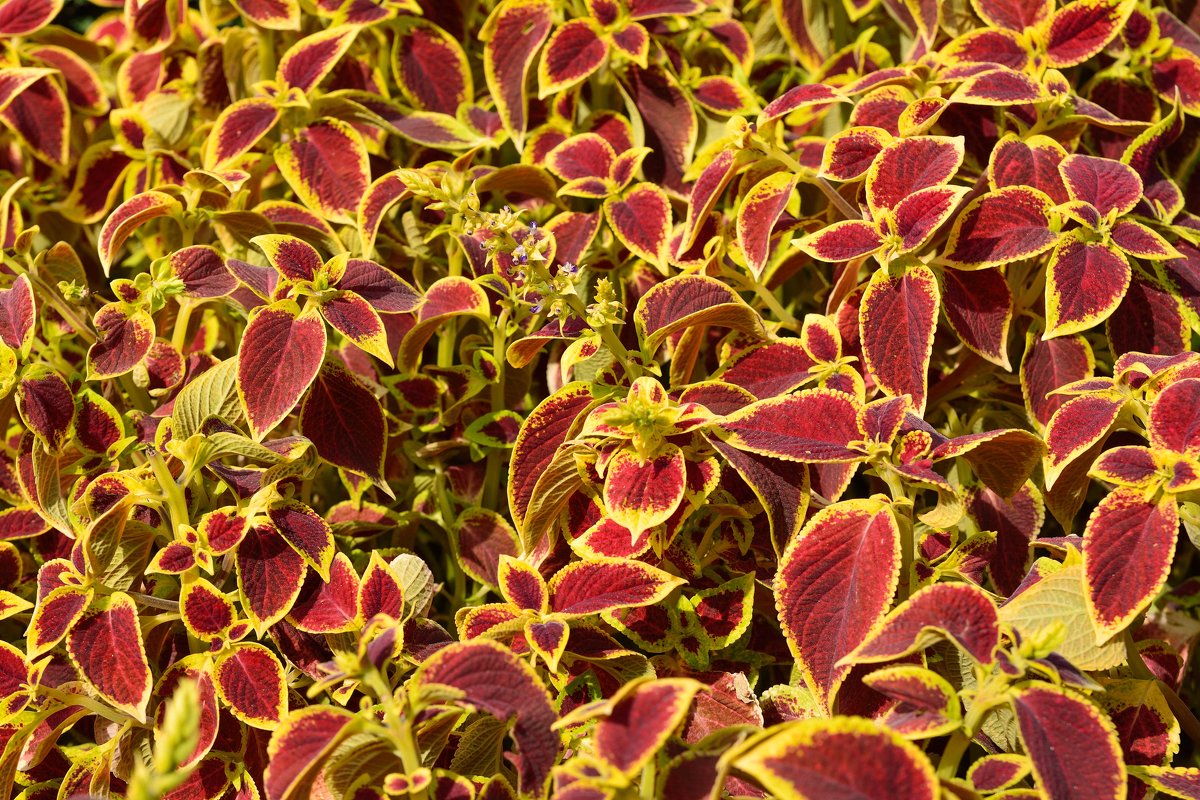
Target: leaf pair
284, 345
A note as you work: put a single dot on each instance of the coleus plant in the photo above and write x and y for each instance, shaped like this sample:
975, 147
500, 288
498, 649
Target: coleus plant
606, 399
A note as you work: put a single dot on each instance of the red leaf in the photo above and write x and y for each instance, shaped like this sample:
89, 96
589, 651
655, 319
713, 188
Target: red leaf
706, 191
326, 165
1001, 86
47, 406
592, 587
22, 17
206, 612
1049, 364
1073, 747
328, 606
127, 217
280, 354
1128, 546
1174, 418
683, 301
573, 52
306, 531
354, 318
1081, 29
379, 198
299, 747
641, 719
670, 120
898, 319
978, 305
960, 612
586, 155
239, 128
1000, 227
1076, 426
308, 61
545, 429
345, 422
431, 68
484, 536
126, 334
781, 488
814, 426
495, 681
908, 165
380, 591
769, 370
105, 645
761, 208
522, 586
203, 272
1033, 163
1016, 522
850, 153
1084, 285
512, 35
917, 217
1108, 185
834, 585
1015, 15
54, 616
843, 241
250, 681
843, 757
642, 493
270, 574
97, 182
804, 96
39, 116
641, 219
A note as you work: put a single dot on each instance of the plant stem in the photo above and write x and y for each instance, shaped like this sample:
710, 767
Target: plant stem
172, 492
955, 748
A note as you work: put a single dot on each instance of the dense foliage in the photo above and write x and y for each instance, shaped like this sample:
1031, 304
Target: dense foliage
599, 399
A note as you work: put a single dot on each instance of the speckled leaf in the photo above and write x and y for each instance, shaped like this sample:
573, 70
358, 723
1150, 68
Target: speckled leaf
960, 612
106, 646
493, 680
1128, 547
897, 322
1071, 743
574, 51
280, 355
327, 167
607, 584
1085, 282
127, 217
512, 35
847, 757
834, 586
1006, 225
250, 682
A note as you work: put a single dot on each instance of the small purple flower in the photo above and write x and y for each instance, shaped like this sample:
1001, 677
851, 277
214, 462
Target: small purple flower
569, 269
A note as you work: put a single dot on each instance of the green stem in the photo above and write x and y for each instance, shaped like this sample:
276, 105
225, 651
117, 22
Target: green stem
172, 492
179, 333
448, 336
951, 757
496, 457
96, 707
